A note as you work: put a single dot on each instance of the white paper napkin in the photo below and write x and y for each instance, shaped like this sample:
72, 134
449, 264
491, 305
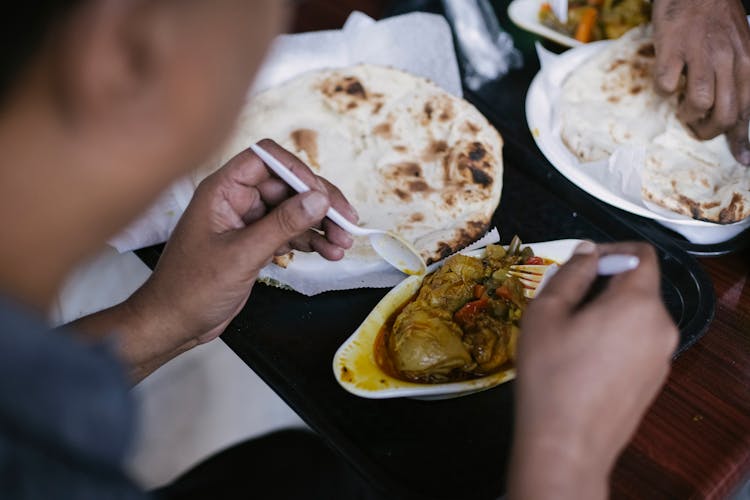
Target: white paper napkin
348, 275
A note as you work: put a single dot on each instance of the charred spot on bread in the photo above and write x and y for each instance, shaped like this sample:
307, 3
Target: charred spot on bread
693, 206
355, 88
636, 89
384, 130
419, 186
283, 261
447, 160
398, 171
346, 93
616, 64
444, 250
473, 166
647, 50
306, 140
640, 69
480, 177
435, 150
731, 213
477, 151
403, 194
472, 128
437, 109
478, 225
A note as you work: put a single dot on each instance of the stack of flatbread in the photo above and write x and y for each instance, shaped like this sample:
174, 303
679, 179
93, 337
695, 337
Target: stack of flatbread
610, 101
410, 157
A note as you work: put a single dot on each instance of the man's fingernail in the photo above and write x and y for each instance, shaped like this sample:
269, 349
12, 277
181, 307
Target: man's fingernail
315, 204
745, 158
354, 213
585, 248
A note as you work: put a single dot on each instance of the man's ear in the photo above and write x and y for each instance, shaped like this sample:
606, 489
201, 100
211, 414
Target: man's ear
107, 60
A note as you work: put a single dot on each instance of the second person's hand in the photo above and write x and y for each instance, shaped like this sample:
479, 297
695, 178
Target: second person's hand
709, 42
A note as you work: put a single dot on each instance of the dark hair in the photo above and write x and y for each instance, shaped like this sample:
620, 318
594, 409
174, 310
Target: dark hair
25, 27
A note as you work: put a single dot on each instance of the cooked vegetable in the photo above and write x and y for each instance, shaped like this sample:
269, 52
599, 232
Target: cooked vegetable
585, 29
463, 322
592, 20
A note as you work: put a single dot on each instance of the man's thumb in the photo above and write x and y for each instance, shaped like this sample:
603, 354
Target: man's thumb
285, 222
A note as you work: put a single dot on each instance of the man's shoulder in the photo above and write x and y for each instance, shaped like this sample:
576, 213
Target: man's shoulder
64, 404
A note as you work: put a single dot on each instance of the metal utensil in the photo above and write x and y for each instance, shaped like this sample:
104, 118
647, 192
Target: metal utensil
394, 249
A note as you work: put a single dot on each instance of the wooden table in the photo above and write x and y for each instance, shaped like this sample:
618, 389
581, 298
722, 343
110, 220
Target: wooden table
695, 440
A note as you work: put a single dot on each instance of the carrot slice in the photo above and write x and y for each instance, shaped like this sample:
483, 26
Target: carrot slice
585, 29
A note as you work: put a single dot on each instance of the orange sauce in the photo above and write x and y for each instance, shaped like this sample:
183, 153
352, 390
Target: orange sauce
382, 358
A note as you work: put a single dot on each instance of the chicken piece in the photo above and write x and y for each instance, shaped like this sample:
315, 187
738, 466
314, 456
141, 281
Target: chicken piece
451, 286
425, 345
489, 341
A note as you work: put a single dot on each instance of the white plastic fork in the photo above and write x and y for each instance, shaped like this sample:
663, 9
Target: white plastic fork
393, 248
534, 277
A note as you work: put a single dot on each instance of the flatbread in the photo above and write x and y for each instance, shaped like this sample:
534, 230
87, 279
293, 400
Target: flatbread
610, 101
700, 179
410, 157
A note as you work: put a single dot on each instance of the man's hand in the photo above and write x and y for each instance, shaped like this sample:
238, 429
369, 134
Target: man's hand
708, 41
239, 218
586, 374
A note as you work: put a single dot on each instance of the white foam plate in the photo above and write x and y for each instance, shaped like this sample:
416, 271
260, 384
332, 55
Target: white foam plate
354, 364
541, 108
525, 13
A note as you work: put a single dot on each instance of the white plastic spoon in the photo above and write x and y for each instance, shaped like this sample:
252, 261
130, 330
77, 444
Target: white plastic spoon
394, 249
560, 8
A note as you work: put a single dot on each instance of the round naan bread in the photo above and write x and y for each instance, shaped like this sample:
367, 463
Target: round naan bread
410, 157
700, 179
610, 101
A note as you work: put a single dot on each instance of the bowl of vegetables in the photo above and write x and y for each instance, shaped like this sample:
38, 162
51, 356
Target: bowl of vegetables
588, 20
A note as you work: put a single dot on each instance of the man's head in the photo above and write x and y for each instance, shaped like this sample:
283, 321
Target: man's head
103, 103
